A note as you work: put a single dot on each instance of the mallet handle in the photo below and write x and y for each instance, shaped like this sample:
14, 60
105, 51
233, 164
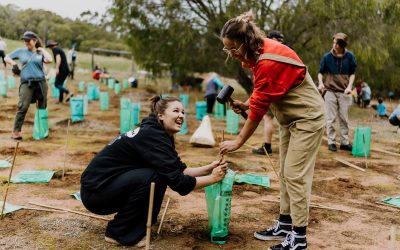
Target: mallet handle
242, 112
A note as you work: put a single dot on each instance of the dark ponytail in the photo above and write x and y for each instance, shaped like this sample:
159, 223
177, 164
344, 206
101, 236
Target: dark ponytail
159, 104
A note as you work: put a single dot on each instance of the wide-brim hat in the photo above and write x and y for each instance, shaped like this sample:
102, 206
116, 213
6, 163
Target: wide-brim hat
50, 43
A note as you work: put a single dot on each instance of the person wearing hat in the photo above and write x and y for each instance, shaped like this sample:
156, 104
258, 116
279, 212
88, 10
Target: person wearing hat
62, 70
339, 65
33, 88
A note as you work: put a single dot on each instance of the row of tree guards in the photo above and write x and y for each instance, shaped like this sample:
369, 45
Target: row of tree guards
130, 111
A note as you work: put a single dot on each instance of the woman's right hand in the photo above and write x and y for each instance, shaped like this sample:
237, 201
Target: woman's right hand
239, 106
219, 173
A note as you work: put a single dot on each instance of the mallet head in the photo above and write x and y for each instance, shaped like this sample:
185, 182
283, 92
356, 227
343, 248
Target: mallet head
225, 94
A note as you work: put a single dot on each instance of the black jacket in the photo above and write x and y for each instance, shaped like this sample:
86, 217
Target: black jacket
148, 146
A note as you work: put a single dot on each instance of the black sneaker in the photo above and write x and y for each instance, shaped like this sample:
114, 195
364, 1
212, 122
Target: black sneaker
292, 241
260, 150
347, 147
332, 147
276, 232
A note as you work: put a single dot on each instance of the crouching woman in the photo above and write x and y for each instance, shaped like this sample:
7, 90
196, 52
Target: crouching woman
118, 179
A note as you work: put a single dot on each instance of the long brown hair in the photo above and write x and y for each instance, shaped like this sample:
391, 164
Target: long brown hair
159, 104
243, 30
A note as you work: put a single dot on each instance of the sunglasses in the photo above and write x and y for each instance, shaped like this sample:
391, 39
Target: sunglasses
232, 50
27, 40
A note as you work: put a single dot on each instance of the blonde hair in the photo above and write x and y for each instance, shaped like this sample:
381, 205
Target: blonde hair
243, 30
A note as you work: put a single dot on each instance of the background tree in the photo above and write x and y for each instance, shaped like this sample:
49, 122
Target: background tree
183, 36
86, 32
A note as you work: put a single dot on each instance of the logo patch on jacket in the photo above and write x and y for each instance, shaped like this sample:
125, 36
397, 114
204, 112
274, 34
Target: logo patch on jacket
132, 133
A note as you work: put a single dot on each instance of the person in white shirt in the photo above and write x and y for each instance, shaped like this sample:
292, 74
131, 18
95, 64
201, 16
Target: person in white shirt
71, 58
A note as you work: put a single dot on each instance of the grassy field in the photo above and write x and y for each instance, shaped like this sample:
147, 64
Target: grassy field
121, 68
112, 63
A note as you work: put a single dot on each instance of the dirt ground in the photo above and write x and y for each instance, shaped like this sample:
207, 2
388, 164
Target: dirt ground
357, 223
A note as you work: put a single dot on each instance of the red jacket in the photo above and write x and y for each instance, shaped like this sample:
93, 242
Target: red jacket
273, 79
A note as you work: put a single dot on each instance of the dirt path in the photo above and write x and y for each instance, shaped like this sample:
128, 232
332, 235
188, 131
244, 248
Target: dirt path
362, 225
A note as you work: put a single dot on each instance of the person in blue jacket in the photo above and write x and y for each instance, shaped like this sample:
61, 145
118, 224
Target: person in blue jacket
118, 179
381, 108
213, 84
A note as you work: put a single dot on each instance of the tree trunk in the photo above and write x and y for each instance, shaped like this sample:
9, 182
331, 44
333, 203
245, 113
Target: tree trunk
244, 79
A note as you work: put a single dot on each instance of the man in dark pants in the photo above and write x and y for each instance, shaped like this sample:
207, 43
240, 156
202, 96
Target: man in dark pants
62, 70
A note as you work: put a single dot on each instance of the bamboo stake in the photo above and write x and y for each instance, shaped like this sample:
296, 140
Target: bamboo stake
65, 150
9, 179
313, 205
69, 210
348, 164
221, 156
365, 152
384, 151
149, 215
162, 217
43, 209
270, 161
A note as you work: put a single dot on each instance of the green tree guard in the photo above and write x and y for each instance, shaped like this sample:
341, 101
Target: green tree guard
185, 101
76, 105
3, 88
97, 92
81, 86
201, 110
91, 92
124, 115
55, 92
125, 84
232, 122
52, 80
218, 198
103, 101
361, 142
12, 83
135, 114
117, 88
111, 83
41, 124
184, 128
219, 110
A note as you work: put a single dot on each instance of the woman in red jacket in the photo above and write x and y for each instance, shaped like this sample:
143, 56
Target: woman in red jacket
281, 83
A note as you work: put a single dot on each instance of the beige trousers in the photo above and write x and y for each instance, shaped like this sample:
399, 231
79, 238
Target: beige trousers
298, 152
337, 104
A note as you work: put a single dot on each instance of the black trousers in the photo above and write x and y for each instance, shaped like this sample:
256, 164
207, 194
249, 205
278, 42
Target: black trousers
210, 103
60, 78
128, 196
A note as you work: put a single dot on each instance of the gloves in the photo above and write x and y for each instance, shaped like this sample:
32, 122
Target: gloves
16, 70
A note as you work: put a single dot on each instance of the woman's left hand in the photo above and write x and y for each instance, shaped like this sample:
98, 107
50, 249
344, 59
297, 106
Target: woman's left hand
228, 146
215, 164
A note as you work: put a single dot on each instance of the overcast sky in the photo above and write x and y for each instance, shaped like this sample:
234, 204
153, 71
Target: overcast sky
64, 8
